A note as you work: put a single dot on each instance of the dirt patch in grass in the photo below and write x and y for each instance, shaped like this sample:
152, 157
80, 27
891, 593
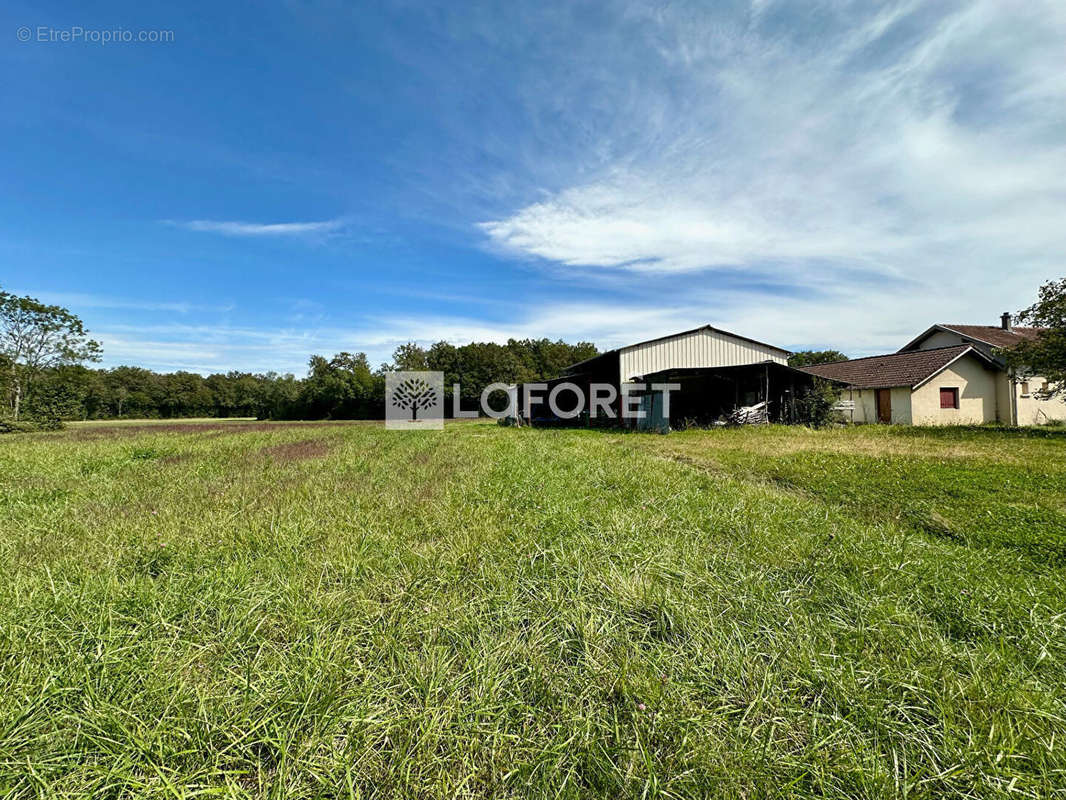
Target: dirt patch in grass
217, 428
298, 451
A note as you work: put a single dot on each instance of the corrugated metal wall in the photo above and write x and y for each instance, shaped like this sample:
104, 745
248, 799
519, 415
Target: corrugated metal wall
702, 348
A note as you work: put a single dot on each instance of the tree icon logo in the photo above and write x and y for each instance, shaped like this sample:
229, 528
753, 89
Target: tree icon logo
414, 400
413, 394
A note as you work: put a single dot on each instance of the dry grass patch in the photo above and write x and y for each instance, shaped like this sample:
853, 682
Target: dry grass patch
297, 451
799, 440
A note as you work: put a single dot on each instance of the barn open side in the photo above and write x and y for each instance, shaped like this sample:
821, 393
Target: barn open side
708, 394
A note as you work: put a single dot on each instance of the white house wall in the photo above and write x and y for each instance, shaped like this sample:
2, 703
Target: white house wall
901, 405
865, 409
703, 348
1011, 405
1032, 410
941, 339
865, 400
977, 395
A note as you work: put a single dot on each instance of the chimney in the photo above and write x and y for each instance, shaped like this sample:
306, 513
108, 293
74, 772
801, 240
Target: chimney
1004, 321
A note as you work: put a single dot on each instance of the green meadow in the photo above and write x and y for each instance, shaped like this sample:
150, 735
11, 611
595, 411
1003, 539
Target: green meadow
327, 610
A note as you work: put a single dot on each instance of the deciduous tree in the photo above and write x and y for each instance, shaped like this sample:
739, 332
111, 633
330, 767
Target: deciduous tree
35, 337
1046, 354
808, 358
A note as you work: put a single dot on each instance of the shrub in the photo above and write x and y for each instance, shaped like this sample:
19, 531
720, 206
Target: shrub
31, 425
814, 405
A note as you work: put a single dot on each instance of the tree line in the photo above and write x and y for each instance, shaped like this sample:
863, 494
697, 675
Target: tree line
43, 376
44, 348
344, 386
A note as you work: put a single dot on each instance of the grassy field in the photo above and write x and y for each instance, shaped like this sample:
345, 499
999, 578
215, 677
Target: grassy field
335, 610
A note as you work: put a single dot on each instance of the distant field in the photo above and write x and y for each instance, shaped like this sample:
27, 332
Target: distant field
110, 423
300, 610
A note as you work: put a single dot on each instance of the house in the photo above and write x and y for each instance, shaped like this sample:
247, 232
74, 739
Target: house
941, 386
1018, 399
948, 375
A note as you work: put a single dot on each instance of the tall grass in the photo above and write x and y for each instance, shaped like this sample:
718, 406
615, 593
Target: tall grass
342, 611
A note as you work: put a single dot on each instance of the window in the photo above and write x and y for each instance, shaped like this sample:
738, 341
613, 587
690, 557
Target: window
949, 398
1025, 388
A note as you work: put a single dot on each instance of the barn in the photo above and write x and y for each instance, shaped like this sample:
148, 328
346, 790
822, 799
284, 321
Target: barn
716, 370
700, 347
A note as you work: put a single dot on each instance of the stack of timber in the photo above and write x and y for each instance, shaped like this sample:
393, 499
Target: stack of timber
750, 415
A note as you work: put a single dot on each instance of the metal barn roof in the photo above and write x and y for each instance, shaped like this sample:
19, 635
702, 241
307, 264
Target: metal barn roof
709, 328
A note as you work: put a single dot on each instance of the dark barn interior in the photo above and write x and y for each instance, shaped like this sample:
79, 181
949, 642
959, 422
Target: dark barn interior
709, 394
705, 395
601, 370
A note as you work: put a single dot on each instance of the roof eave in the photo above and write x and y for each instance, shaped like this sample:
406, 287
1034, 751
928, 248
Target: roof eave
940, 327
969, 336
971, 350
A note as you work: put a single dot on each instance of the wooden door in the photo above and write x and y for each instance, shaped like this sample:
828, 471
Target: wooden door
884, 405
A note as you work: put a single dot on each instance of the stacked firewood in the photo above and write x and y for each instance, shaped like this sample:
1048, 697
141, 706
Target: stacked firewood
750, 415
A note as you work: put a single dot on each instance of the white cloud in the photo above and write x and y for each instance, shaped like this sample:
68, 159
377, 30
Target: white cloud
921, 143
856, 328
232, 228
79, 300
221, 347
873, 169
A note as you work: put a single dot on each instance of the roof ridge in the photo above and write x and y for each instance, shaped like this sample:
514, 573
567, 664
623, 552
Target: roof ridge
993, 327
890, 355
705, 326
910, 368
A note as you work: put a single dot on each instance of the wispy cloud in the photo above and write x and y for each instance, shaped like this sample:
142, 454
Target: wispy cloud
285, 347
254, 229
835, 174
921, 143
78, 300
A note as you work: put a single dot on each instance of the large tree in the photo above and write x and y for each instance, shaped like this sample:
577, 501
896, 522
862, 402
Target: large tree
35, 337
1046, 354
409, 357
808, 358
343, 387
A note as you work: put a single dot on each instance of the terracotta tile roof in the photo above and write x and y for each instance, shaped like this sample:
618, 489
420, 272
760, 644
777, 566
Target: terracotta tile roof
896, 369
994, 334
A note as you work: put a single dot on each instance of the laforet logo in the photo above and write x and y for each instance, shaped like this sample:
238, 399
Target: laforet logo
414, 400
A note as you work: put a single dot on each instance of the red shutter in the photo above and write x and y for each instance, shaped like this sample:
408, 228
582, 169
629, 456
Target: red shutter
949, 398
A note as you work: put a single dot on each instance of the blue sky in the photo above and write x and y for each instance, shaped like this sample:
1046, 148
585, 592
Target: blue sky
310, 177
